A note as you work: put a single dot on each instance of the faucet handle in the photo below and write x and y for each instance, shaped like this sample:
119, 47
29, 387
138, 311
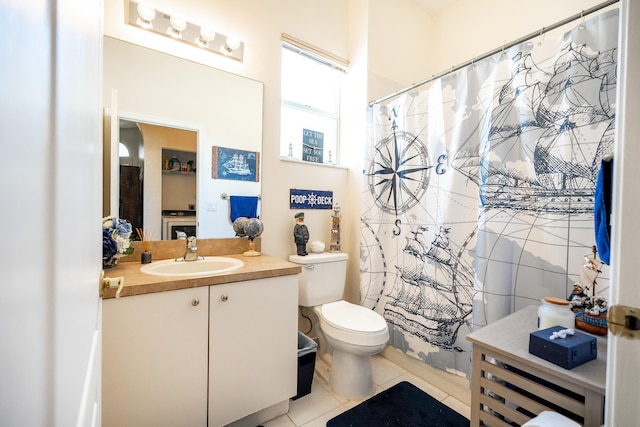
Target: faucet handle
191, 242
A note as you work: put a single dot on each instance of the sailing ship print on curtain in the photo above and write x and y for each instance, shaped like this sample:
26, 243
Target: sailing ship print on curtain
478, 191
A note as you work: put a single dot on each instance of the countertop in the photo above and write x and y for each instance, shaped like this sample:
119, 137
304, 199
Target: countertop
137, 283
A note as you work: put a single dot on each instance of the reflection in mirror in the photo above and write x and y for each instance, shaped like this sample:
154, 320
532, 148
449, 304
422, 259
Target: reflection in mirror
158, 184
218, 108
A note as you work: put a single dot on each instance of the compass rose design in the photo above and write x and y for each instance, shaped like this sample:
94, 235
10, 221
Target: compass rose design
399, 173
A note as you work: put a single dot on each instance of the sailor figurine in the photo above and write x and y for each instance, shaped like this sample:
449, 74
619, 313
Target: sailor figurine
300, 234
577, 299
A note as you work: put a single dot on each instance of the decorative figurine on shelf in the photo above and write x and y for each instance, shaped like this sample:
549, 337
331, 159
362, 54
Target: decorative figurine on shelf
577, 299
334, 246
250, 228
300, 234
591, 311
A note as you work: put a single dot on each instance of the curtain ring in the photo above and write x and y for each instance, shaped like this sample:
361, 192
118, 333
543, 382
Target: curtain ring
542, 34
581, 26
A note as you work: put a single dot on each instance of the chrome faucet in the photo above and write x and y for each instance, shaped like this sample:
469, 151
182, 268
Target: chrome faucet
191, 254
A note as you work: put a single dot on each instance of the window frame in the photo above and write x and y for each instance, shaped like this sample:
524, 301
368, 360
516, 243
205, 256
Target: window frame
339, 65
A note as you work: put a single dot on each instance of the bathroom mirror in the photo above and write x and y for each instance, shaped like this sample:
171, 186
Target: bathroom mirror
218, 109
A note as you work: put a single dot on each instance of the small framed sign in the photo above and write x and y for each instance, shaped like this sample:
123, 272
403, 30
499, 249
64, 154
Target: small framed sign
239, 165
312, 146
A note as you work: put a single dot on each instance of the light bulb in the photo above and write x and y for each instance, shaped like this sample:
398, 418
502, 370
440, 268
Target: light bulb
178, 24
232, 42
230, 45
206, 35
146, 14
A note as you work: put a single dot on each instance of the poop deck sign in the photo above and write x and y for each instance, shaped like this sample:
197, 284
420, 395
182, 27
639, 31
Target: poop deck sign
312, 146
310, 199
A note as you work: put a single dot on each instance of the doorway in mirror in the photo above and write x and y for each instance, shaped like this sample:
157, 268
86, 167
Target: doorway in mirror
131, 155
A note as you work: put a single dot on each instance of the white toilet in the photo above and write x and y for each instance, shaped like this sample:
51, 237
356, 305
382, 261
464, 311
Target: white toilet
351, 332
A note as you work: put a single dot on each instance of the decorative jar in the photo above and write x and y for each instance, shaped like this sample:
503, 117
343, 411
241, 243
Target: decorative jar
555, 312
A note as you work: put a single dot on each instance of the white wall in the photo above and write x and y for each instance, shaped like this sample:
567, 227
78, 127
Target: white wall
401, 46
407, 46
470, 28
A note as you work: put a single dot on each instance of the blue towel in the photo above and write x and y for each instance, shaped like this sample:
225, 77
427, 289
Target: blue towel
246, 206
602, 209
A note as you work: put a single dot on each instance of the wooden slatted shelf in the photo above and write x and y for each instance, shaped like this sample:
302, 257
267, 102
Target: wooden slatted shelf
510, 385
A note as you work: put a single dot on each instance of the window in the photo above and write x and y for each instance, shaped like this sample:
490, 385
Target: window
310, 116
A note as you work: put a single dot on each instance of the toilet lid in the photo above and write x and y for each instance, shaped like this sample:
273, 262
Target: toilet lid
352, 317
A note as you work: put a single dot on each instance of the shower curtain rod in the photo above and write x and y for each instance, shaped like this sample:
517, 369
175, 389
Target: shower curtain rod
493, 52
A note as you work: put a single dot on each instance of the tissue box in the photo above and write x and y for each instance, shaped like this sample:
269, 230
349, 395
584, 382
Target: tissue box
566, 352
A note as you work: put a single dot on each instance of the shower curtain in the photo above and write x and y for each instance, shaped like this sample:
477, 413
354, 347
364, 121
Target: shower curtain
478, 192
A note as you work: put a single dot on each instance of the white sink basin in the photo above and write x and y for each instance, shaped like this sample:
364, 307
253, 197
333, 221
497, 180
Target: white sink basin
207, 266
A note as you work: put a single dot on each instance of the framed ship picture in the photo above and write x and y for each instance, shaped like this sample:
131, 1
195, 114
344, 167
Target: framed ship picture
239, 165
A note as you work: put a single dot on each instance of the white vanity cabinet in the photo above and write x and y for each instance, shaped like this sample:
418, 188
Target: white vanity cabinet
208, 355
155, 358
253, 338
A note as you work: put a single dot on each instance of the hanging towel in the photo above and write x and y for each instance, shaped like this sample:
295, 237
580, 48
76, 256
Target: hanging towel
246, 206
602, 209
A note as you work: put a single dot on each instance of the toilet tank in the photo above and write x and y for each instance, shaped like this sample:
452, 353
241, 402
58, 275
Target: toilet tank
322, 279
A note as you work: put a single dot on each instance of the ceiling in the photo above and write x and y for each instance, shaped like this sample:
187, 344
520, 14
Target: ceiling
434, 6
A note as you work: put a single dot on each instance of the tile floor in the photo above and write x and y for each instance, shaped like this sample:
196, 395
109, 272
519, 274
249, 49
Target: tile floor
318, 407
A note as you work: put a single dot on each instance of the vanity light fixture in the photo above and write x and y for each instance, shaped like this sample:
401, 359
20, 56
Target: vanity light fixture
143, 15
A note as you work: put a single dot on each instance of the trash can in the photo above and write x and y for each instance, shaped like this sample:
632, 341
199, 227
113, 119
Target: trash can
307, 349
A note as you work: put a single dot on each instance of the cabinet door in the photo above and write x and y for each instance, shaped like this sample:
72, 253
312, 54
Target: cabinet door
253, 346
155, 359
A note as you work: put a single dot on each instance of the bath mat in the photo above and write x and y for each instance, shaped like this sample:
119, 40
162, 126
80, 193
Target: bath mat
401, 405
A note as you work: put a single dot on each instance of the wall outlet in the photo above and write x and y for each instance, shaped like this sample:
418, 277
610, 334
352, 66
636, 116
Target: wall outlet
192, 207
212, 206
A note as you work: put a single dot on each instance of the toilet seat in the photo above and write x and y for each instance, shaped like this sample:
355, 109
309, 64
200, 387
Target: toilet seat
352, 317
353, 324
